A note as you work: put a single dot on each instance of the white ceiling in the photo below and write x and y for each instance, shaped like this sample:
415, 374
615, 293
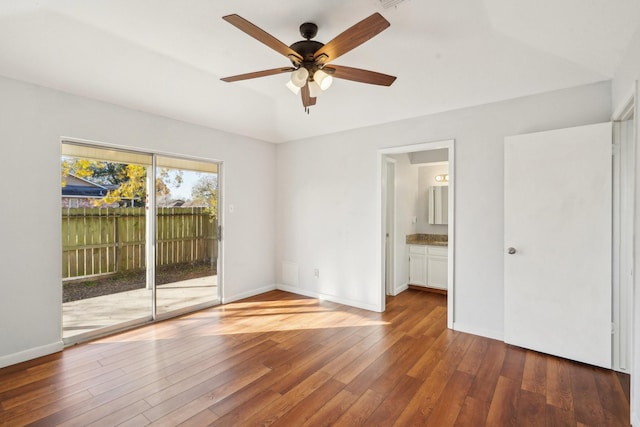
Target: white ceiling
167, 56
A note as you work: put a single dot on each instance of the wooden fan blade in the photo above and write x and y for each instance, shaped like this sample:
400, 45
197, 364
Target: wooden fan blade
307, 100
263, 37
358, 75
351, 38
256, 74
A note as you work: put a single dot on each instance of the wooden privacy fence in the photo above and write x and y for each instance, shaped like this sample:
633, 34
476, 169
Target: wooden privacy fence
110, 240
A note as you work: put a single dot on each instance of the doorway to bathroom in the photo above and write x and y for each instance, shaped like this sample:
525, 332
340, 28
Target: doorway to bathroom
417, 219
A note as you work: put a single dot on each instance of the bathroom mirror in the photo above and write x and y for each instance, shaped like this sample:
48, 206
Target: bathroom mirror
438, 204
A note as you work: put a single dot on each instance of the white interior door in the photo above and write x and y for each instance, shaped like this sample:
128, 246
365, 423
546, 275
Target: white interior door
558, 221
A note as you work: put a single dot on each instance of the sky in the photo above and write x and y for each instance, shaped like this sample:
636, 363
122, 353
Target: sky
189, 178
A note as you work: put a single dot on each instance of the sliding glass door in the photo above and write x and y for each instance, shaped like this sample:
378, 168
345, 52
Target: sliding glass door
186, 234
139, 238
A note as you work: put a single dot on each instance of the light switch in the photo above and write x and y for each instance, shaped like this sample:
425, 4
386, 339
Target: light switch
231, 209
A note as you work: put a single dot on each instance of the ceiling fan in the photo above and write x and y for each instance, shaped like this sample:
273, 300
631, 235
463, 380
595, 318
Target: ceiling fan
311, 72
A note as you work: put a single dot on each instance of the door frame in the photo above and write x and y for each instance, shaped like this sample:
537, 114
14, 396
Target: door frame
219, 264
150, 255
624, 174
390, 206
449, 144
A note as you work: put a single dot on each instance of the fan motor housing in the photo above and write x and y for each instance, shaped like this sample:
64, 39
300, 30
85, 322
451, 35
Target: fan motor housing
306, 48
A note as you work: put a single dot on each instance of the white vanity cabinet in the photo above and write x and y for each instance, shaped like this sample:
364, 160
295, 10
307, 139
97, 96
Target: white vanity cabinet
418, 265
428, 266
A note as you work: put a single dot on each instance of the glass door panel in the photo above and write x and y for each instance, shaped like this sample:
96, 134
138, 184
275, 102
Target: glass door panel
103, 240
186, 234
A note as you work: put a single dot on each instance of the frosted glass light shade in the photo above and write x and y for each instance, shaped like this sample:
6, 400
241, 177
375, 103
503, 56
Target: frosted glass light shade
323, 79
299, 77
314, 89
293, 88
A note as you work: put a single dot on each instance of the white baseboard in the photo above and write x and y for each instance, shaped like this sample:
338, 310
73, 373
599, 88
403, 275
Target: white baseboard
251, 293
32, 353
400, 289
332, 298
470, 329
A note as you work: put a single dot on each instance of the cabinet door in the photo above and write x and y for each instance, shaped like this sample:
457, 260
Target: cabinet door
437, 271
417, 269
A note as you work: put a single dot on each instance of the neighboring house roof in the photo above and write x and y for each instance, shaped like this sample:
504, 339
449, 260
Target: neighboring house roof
80, 187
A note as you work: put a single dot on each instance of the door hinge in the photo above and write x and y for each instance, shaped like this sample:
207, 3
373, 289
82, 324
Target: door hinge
219, 233
613, 328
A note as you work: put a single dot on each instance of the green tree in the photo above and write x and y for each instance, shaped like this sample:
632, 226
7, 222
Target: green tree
205, 193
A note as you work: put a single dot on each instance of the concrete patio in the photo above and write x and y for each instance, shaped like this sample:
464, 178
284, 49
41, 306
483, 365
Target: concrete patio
88, 315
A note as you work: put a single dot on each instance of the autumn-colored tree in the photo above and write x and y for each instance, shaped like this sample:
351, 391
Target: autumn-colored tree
127, 183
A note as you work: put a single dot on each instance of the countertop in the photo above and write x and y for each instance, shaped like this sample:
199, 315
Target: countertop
428, 239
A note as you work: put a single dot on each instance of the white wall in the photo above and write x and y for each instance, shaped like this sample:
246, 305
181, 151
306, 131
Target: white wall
327, 198
627, 73
32, 121
427, 178
429, 156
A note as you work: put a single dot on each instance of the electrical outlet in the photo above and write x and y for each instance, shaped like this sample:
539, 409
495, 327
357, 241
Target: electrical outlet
316, 273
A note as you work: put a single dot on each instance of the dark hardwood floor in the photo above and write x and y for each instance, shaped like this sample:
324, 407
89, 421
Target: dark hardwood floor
286, 360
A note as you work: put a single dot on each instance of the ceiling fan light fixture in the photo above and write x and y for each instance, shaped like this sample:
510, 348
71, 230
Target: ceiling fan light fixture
314, 89
323, 79
293, 88
299, 77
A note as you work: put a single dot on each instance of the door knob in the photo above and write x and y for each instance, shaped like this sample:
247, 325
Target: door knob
511, 251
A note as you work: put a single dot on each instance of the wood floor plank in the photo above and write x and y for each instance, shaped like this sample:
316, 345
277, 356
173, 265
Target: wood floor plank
167, 401
531, 409
268, 415
311, 404
361, 410
202, 418
217, 371
194, 405
244, 409
534, 376
503, 410
41, 393
472, 413
41, 413
451, 400
489, 372
559, 417
99, 406
394, 402
586, 400
369, 377
118, 417
137, 421
331, 410
425, 399
513, 365
559, 384
312, 362
612, 397
361, 363
284, 359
